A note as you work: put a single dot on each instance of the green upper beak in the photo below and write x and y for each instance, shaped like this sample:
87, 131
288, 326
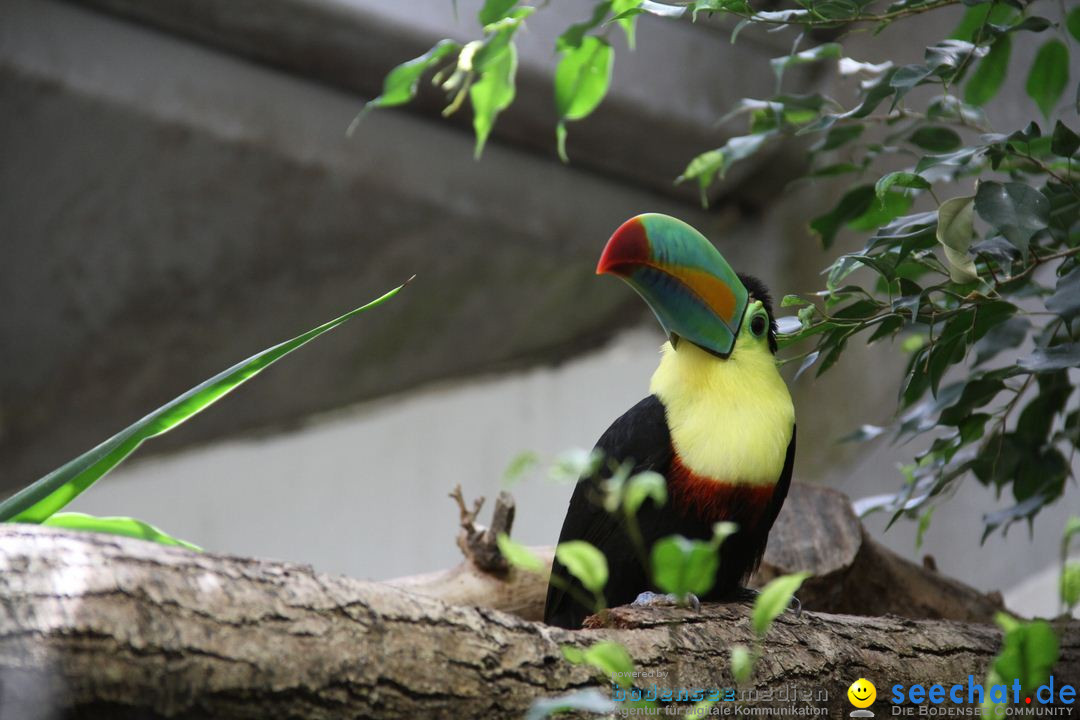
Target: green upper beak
685, 280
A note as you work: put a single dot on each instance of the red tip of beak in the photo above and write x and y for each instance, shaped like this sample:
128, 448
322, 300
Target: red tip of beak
627, 247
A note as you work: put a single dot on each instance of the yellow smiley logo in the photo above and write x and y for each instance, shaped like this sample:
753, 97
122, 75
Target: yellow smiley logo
862, 693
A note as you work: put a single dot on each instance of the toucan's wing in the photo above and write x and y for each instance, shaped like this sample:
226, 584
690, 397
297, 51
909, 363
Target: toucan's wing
640, 435
781, 490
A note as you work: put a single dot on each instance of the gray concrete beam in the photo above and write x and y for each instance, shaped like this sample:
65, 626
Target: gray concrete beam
352, 45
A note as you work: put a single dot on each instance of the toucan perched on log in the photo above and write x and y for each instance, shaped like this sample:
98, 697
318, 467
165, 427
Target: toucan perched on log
719, 424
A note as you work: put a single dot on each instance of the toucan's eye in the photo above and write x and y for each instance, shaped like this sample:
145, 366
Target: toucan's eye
758, 325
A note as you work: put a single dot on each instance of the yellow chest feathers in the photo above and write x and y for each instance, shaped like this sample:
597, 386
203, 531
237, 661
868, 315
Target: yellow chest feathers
730, 419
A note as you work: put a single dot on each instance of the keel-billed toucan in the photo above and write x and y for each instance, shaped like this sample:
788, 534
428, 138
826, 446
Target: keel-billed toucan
719, 424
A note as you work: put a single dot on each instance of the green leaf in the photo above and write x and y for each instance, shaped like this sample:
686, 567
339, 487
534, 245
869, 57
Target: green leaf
1072, 22
924, 525
492, 94
46, 496
610, 658
1029, 651
400, 84
1064, 141
775, 597
573, 465
1052, 359
585, 563
643, 486
890, 206
852, 205
990, 73
1066, 298
518, 555
582, 78
839, 136
682, 566
714, 164
128, 527
899, 179
519, 466
977, 15
1015, 210
624, 12
495, 10
954, 231
821, 52
1072, 528
742, 664
581, 81
1049, 75
576, 33
590, 700
935, 139
1069, 585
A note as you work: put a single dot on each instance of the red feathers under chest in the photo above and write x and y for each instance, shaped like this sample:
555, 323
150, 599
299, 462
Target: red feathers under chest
716, 500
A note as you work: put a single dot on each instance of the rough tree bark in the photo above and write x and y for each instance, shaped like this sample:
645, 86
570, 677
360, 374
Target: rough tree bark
98, 626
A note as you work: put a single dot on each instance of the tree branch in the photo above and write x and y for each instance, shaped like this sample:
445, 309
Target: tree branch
102, 626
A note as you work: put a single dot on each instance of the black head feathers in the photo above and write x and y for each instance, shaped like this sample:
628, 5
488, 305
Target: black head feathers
758, 291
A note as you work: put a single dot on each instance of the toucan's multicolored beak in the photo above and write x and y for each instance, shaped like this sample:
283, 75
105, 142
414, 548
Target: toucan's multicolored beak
682, 276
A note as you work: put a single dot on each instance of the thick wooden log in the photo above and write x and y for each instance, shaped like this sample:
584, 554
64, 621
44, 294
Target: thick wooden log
95, 626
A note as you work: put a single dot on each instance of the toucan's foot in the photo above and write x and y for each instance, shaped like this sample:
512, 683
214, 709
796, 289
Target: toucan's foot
651, 599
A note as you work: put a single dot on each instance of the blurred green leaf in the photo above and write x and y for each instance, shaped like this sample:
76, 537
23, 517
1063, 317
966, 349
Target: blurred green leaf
682, 566
584, 562
1015, 210
955, 230
492, 94
1069, 585
590, 700
495, 10
610, 658
852, 205
816, 54
643, 486
839, 136
46, 496
128, 527
774, 599
576, 33
936, 139
709, 166
990, 73
399, 86
581, 81
742, 664
1051, 359
518, 555
1072, 22
899, 179
1049, 75
1064, 141
572, 465
521, 464
1066, 298
1029, 651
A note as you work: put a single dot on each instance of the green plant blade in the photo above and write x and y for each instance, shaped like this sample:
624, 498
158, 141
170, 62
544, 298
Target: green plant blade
128, 527
34, 504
